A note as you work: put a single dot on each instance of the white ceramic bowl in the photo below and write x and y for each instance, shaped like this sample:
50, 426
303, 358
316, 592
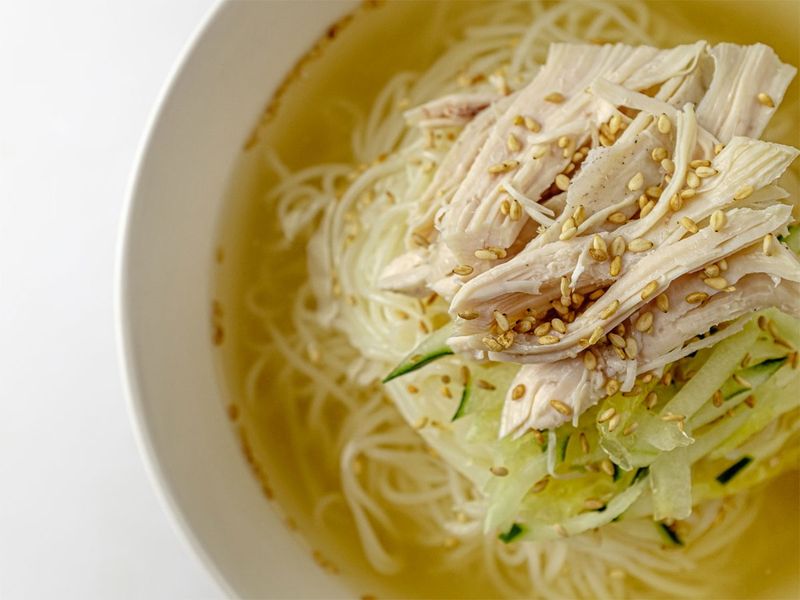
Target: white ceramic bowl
213, 100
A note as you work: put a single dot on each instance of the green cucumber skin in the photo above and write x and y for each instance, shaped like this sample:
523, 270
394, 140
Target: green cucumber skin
734, 469
407, 367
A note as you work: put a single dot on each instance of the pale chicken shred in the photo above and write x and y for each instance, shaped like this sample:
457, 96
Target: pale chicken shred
614, 215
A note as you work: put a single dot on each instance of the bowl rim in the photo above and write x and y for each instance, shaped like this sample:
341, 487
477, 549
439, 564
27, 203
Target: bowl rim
130, 371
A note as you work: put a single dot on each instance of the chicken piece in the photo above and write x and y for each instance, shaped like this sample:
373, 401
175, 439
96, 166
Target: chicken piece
759, 281
454, 110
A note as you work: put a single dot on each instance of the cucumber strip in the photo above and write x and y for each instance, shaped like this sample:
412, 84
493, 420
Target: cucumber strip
792, 239
466, 396
562, 448
513, 533
669, 534
734, 469
539, 531
432, 347
640, 473
671, 484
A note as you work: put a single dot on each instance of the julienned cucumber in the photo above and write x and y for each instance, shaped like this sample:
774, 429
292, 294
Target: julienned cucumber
432, 347
792, 239
669, 534
466, 397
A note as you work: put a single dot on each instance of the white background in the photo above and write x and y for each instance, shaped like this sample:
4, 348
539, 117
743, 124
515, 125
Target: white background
79, 517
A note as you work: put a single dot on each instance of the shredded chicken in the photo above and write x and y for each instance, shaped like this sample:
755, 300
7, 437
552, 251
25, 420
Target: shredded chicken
618, 212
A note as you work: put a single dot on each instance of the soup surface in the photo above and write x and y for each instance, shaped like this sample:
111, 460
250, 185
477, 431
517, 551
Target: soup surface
311, 122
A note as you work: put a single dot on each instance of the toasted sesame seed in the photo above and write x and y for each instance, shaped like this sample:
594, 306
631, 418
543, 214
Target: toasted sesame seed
446, 392
696, 297
568, 234
631, 348
505, 206
658, 154
412, 389
564, 285
501, 320
558, 325
646, 209
617, 218
692, 180
763, 322
485, 254
653, 191
609, 310
644, 322
485, 385
668, 165
589, 361
687, 194
605, 141
532, 125
689, 225
596, 294
743, 192
518, 391
649, 289
723, 264
711, 270
498, 252
765, 99
563, 141
766, 245
519, 120
618, 246
617, 340
718, 283
717, 399
630, 428
650, 400
596, 335
468, 315
742, 381
615, 267
559, 406
703, 172
718, 148
663, 303
614, 123
607, 466
506, 339
515, 211
670, 418
542, 329
554, 97
499, 471
700, 162
513, 143
463, 270
503, 167
492, 344
546, 340
606, 415
675, 203
577, 299
614, 423
523, 326
598, 255
562, 182
612, 387
642, 201
598, 243
540, 485
664, 124
640, 245
538, 152
636, 182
